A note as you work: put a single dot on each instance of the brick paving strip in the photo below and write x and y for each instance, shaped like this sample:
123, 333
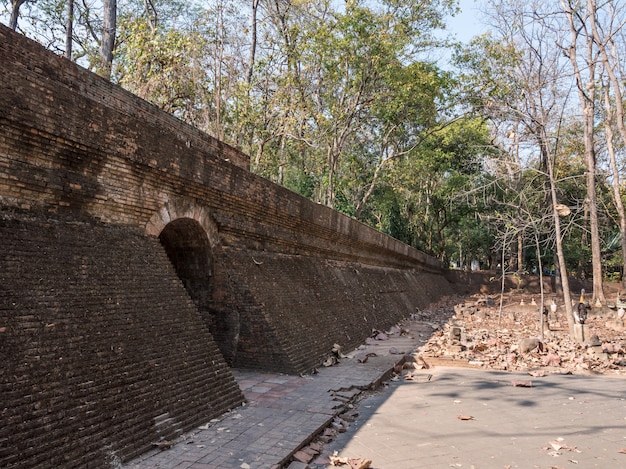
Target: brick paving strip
283, 413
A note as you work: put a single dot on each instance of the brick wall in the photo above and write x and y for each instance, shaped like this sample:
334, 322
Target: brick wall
296, 308
103, 351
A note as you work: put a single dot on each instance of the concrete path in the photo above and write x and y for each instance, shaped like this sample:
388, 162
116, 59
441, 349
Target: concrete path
560, 422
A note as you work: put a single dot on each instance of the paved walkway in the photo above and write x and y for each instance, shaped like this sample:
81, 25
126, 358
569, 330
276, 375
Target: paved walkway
283, 413
559, 422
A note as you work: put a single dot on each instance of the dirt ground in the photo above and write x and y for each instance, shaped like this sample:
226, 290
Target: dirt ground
502, 332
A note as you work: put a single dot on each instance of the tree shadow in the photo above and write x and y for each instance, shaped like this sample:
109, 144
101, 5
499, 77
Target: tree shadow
479, 417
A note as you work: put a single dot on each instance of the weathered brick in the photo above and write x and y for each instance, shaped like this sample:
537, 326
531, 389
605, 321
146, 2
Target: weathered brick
99, 335
86, 373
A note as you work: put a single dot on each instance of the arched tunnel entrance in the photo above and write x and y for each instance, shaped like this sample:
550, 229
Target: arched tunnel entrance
189, 250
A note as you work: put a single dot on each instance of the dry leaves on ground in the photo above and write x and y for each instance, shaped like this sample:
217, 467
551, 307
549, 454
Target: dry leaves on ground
353, 463
475, 331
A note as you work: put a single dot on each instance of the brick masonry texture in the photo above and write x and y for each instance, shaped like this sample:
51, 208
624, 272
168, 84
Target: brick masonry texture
103, 350
140, 258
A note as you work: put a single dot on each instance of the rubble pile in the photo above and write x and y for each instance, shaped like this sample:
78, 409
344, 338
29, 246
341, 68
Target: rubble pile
478, 332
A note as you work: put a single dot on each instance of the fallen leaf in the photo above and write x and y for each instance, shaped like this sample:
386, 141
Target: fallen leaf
465, 417
163, 445
522, 384
337, 351
555, 445
359, 463
551, 359
330, 361
354, 463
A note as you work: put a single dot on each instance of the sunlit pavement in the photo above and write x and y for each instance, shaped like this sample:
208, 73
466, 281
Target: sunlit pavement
445, 417
465, 418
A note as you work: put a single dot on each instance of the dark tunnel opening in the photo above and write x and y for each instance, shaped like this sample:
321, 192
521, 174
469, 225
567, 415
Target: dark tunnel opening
189, 250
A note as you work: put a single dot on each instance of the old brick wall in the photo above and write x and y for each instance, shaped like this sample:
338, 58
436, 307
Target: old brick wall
312, 304
97, 188
74, 145
102, 350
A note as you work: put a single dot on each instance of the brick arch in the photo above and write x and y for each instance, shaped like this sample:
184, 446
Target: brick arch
177, 208
190, 238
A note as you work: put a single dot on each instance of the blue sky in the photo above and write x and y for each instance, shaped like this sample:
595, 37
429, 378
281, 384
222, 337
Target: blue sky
468, 23
463, 27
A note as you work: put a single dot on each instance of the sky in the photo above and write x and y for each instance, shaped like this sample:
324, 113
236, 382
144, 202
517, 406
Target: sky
467, 23
463, 27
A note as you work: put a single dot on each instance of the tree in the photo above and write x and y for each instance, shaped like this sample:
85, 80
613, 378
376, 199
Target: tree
578, 19
69, 27
62, 26
253, 40
15, 12
525, 102
405, 112
614, 108
107, 43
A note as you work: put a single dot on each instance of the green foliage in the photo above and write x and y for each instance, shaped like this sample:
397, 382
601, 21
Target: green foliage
158, 65
483, 64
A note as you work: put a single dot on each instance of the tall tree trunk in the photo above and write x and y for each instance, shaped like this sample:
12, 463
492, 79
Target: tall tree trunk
562, 273
540, 272
520, 251
596, 253
253, 38
69, 28
617, 195
618, 104
107, 44
586, 93
151, 14
15, 13
590, 159
218, 59
331, 161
